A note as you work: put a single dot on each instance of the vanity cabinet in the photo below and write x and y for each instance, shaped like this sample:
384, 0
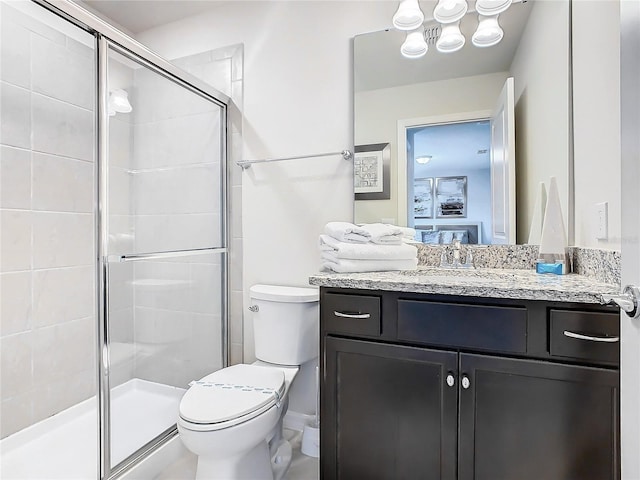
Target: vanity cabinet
418, 386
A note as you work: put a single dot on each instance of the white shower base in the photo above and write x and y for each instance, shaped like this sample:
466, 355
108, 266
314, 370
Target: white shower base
64, 446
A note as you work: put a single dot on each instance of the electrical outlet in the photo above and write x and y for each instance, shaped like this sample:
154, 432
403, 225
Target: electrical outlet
602, 221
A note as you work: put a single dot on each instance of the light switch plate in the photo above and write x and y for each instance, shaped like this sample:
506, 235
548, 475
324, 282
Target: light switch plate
602, 221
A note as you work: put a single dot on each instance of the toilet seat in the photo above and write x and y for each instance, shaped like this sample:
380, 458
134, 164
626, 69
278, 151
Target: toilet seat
231, 396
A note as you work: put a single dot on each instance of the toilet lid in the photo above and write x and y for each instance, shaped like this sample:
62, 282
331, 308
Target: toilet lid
232, 392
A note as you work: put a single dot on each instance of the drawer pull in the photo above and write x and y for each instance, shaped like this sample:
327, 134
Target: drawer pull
352, 315
591, 338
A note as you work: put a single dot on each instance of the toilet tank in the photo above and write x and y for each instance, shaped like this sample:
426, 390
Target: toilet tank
285, 323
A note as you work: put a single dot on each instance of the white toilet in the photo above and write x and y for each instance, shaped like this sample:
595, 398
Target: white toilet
232, 418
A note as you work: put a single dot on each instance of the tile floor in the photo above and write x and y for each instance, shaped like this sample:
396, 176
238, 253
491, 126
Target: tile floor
302, 467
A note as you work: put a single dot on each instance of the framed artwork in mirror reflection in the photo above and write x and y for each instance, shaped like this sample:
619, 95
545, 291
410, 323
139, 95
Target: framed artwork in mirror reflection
451, 197
371, 165
423, 198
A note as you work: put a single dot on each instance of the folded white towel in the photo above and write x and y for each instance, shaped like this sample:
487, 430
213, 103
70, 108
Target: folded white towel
333, 249
344, 265
383, 234
408, 233
347, 232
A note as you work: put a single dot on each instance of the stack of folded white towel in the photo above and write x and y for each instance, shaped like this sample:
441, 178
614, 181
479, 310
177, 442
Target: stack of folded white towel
372, 247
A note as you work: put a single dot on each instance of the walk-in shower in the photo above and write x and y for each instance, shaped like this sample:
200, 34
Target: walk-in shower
113, 243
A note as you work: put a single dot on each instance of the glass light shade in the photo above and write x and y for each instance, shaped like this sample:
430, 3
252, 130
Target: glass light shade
408, 16
423, 159
414, 45
119, 102
451, 39
492, 7
449, 11
488, 33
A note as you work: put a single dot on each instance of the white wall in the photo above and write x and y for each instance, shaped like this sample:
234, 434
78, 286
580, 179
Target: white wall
297, 101
596, 86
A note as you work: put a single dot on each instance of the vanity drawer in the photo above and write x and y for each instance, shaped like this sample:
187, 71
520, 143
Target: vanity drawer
502, 329
582, 335
356, 314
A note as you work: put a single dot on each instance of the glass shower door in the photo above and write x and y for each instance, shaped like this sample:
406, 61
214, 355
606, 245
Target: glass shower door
166, 248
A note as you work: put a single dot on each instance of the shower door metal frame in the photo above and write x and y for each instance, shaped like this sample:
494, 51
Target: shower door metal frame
110, 38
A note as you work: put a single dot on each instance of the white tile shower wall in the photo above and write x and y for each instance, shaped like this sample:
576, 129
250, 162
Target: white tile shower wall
47, 328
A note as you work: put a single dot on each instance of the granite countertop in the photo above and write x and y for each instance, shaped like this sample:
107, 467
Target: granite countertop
482, 282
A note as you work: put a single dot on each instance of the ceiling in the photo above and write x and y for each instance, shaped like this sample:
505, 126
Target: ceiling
455, 146
139, 15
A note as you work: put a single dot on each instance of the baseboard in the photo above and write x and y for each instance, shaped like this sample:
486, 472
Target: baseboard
297, 421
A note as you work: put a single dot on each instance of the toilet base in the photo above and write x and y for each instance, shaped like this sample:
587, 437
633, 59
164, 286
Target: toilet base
255, 465
281, 461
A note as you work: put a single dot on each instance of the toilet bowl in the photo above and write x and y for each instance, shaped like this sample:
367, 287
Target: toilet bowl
232, 418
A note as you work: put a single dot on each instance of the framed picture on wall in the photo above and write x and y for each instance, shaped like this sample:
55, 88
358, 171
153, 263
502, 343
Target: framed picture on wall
451, 197
371, 165
423, 198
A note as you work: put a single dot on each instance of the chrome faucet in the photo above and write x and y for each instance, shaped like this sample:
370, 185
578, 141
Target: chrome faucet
456, 263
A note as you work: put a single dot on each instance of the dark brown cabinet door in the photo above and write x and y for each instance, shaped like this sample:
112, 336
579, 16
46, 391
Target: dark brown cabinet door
532, 420
388, 412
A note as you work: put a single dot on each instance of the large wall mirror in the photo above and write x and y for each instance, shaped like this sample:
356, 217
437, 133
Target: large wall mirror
437, 114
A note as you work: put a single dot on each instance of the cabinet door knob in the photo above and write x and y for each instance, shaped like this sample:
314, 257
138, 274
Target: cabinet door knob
451, 380
466, 383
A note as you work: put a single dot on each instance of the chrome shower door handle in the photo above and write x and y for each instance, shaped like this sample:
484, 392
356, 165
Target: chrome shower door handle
628, 300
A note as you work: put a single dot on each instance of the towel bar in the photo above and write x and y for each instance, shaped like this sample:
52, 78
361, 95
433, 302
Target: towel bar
346, 154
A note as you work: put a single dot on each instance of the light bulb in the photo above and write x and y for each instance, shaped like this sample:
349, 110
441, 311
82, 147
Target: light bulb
488, 33
408, 16
492, 7
414, 45
449, 11
449, 4
451, 39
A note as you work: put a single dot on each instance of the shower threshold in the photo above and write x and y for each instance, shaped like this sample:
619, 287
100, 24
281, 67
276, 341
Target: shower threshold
64, 446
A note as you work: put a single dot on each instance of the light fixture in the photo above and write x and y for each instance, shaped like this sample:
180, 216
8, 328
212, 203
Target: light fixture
119, 102
488, 33
451, 39
423, 159
408, 16
492, 7
449, 11
414, 45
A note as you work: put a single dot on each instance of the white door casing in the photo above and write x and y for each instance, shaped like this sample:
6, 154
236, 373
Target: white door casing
503, 167
630, 172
